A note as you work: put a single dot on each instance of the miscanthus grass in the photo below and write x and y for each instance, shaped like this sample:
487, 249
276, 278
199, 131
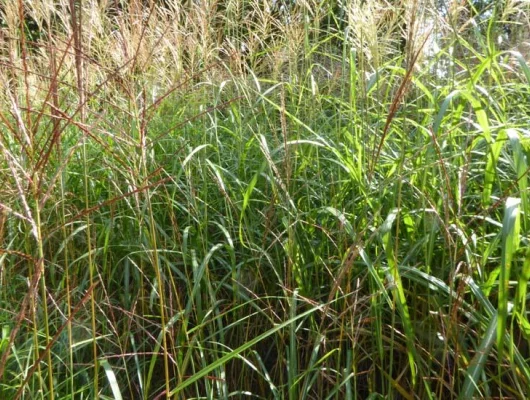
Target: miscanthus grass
237, 199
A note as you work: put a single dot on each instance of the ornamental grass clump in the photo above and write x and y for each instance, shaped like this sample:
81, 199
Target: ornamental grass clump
306, 200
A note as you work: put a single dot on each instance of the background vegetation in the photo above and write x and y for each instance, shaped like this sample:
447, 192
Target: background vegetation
264, 199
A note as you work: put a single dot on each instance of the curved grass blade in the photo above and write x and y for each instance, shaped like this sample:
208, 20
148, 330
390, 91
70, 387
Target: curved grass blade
477, 363
113, 382
510, 243
398, 291
523, 64
236, 352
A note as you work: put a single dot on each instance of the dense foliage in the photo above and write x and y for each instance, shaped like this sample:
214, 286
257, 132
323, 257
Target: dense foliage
304, 200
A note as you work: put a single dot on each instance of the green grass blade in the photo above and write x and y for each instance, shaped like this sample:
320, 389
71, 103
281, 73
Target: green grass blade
398, 291
111, 377
510, 244
234, 353
476, 366
524, 66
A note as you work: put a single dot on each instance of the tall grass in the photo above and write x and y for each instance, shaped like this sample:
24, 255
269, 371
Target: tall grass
314, 200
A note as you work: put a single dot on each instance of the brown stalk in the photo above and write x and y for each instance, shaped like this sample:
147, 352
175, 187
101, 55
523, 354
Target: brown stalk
76, 29
53, 93
18, 253
55, 100
14, 68
396, 104
54, 70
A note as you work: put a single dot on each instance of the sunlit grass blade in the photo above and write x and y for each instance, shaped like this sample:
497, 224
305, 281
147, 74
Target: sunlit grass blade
111, 378
510, 244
